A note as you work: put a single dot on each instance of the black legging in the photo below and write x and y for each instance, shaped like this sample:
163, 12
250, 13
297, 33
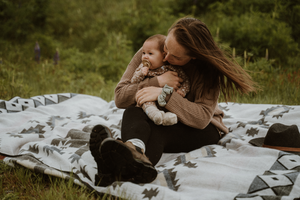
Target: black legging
168, 139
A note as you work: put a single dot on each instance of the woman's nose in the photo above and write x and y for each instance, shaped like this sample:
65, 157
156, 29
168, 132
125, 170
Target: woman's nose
167, 56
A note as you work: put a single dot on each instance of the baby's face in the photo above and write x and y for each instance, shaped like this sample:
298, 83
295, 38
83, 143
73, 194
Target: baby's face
152, 53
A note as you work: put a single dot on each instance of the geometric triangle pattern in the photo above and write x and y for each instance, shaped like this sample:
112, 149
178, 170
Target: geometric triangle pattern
290, 161
279, 180
18, 104
257, 184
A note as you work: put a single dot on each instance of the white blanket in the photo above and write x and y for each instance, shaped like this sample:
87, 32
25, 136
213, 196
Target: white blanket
49, 134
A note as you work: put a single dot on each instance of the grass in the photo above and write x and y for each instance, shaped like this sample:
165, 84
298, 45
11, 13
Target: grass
279, 86
46, 78
22, 183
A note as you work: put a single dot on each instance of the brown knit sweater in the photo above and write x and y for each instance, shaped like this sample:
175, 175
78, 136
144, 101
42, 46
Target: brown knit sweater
192, 110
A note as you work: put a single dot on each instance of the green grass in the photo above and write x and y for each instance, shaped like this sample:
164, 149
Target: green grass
22, 183
45, 78
279, 86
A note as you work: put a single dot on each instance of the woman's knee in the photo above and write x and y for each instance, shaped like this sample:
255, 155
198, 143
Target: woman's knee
135, 124
133, 112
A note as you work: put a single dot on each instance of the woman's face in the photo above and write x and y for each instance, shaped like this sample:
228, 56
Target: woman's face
175, 53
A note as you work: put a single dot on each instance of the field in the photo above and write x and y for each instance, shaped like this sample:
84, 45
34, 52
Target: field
85, 46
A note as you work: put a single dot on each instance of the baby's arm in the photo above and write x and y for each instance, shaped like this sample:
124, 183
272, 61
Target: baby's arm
139, 74
145, 70
185, 85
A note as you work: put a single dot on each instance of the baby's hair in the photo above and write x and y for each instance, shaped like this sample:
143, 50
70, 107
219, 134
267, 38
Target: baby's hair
160, 40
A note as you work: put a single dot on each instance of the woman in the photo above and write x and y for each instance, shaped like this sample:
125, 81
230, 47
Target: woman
189, 44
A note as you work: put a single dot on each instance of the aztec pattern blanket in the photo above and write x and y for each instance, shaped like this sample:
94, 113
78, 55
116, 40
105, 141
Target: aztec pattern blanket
49, 134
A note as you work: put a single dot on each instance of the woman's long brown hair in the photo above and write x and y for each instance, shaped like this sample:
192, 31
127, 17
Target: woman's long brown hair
217, 71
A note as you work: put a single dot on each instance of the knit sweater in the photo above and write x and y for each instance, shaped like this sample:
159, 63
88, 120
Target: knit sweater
192, 110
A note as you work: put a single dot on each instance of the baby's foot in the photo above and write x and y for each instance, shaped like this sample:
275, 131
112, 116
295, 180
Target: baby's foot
158, 117
155, 115
169, 119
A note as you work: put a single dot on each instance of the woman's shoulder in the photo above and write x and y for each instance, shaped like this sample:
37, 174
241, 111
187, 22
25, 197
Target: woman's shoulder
137, 58
135, 61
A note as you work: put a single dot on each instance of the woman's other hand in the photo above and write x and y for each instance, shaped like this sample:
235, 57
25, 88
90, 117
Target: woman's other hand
147, 94
180, 92
170, 78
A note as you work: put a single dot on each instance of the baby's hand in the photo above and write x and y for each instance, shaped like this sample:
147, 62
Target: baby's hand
145, 70
180, 92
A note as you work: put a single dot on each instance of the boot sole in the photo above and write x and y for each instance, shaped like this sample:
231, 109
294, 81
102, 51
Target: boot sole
98, 134
119, 158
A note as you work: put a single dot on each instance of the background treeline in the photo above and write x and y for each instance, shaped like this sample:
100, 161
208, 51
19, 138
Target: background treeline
95, 40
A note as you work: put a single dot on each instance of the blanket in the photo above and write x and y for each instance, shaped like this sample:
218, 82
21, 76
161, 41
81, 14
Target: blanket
49, 134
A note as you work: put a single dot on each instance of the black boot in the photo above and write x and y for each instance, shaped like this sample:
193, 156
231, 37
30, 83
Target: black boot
104, 176
127, 161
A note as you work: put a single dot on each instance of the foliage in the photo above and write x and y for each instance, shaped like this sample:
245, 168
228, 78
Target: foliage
191, 7
259, 25
147, 18
286, 11
21, 18
253, 26
96, 39
256, 33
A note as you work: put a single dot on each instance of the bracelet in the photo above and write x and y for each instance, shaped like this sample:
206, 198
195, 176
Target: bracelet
161, 99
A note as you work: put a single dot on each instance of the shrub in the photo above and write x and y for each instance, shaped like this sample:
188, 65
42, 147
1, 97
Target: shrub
257, 32
19, 19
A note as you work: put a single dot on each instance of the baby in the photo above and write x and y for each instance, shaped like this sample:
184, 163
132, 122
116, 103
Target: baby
153, 64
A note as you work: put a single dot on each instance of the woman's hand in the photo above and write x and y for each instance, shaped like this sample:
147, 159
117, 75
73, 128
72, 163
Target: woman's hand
170, 78
147, 94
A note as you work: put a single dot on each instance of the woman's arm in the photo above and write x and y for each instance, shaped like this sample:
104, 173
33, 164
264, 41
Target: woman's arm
184, 88
197, 114
194, 111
